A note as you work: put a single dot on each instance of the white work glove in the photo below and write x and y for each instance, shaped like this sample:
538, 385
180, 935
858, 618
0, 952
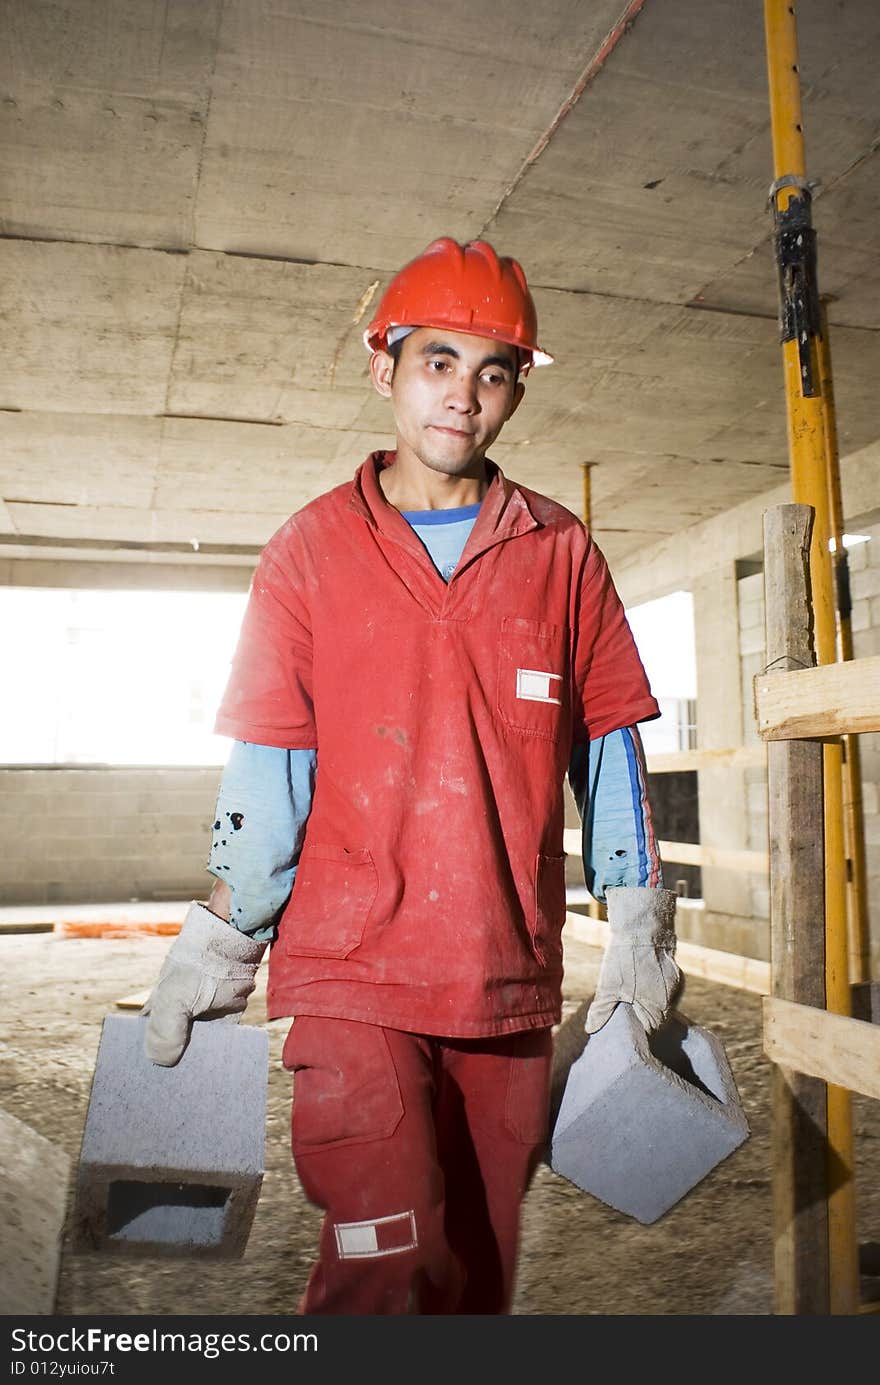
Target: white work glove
639, 965
209, 971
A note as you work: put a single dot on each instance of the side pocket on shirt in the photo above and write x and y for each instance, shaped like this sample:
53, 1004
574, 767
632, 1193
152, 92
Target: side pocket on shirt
549, 909
532, 677
332, 896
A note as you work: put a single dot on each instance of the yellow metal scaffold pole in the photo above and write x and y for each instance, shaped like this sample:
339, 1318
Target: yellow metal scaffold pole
586, 468
853, 811
800, 324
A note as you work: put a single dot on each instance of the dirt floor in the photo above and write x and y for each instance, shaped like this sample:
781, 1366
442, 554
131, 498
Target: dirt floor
709, 1254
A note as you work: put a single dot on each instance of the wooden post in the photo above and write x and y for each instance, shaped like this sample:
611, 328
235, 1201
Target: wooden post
797, 933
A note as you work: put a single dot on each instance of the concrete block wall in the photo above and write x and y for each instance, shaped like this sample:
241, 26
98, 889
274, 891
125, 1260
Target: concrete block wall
727, 921
864, 565
752, 640
80, 835
87, 834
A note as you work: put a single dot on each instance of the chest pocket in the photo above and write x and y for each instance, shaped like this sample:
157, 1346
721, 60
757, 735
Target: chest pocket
533, 692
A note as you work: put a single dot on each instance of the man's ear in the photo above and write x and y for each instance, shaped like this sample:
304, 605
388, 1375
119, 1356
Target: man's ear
519, 390
381, 370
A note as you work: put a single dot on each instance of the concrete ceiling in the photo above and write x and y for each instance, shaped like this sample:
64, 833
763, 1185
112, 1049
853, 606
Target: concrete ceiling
200, 201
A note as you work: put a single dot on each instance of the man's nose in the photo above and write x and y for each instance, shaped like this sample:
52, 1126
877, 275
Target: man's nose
462, 394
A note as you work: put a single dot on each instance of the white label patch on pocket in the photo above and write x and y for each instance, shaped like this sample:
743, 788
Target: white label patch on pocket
535, 686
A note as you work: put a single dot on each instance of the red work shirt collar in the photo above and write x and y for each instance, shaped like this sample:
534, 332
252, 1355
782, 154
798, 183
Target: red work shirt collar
504, 512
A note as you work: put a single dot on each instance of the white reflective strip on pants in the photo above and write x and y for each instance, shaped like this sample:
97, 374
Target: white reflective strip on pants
360, 1238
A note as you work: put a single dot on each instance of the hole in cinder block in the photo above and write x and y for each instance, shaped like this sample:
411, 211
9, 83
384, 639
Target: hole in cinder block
681, 1049
170, 1213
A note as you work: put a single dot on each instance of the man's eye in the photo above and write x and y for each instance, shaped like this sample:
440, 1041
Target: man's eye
494, 378
437, 366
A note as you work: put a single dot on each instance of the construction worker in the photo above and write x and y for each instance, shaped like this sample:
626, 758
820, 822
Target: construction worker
426, 651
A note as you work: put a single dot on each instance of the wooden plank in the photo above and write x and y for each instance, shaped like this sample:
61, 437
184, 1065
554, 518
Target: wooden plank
135, 1001
725, 968
698, 854
840, 1050
741, 756
586, 929
832, 700
688, 853
797, 934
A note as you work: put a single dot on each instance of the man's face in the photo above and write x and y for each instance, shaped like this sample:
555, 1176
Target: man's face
451, 394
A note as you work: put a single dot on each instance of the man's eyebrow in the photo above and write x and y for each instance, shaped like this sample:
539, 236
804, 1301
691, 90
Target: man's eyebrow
440, 348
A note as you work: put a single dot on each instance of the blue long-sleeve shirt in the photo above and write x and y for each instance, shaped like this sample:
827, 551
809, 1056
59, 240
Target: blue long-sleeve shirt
260, 820
609, 782
266, 794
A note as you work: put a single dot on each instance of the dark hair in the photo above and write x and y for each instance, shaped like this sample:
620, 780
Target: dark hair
394, 351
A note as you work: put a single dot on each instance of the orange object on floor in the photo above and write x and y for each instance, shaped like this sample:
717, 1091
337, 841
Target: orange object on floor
114, 928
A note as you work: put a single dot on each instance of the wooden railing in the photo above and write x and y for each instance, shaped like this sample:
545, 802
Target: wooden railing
688, 853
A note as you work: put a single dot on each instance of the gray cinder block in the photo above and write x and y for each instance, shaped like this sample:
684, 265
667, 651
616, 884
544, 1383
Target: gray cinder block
642, 1121
33, 1200
172, 1159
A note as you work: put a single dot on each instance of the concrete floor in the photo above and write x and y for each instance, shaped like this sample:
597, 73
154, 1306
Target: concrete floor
710, 1254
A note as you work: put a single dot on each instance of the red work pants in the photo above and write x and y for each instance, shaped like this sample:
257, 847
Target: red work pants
420, 1150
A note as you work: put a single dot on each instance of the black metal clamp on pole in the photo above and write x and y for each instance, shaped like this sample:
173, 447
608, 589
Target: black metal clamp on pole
794, 241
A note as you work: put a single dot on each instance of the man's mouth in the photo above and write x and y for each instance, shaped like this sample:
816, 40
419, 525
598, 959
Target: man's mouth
452, 432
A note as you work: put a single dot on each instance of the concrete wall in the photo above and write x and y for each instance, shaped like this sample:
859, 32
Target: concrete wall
729, 618
752, 660
864, 564
92, 834
85, 835
720, 561
722, 795
865, 581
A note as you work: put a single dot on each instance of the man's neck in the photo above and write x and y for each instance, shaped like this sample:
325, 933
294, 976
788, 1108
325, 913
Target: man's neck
430, 490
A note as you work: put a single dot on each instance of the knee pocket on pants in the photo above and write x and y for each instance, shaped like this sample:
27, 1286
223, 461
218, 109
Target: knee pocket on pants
345, 1086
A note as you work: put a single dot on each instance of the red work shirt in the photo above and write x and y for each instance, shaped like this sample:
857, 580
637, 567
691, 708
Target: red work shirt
430, 891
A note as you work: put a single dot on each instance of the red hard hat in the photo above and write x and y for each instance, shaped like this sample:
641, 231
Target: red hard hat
466, 288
